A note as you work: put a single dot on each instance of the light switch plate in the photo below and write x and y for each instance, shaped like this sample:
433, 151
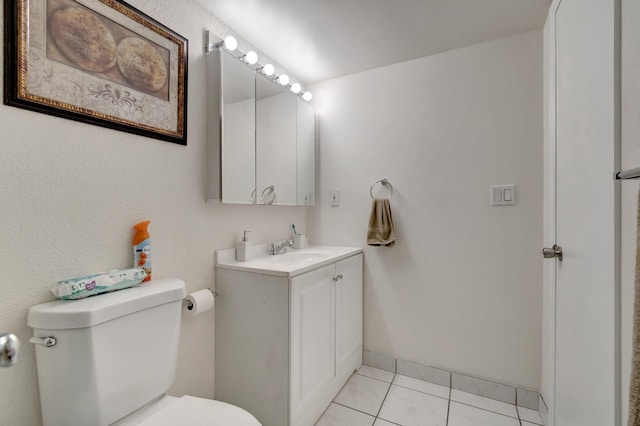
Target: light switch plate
334, 198
503, 195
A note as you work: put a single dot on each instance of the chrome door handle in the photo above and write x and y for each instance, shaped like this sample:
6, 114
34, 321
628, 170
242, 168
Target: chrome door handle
271, 188
9, 348
550, 253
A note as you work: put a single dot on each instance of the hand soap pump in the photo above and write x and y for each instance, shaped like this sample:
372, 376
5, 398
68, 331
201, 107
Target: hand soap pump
244, 251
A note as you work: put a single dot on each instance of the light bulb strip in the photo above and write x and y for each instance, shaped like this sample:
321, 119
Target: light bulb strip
250, 59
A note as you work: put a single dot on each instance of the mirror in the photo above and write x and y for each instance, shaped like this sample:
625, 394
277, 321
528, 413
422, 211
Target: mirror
306, 153
262, 149
238, 150
275, 143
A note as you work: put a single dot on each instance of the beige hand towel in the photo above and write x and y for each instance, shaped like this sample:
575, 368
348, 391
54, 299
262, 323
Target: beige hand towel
634, 388
380, 232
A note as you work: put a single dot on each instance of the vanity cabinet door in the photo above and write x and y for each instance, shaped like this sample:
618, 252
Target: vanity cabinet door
312, 337
348, 310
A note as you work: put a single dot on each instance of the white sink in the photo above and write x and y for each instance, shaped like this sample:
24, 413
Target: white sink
290, 260
298, 257
293, 262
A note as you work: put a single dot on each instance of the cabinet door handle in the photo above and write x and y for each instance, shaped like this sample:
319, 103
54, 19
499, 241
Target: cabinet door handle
339, 276
335, 279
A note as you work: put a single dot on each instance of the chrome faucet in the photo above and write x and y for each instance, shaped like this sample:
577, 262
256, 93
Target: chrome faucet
275, 249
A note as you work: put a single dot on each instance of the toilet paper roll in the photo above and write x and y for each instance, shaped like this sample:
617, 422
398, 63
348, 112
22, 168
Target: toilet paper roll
199, 302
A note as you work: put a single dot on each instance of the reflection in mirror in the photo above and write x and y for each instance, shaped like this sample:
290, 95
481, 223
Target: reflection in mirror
275, 143
238, 131
306, 156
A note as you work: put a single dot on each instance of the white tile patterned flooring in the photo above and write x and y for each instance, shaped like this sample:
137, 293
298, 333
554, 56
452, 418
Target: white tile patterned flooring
374, 397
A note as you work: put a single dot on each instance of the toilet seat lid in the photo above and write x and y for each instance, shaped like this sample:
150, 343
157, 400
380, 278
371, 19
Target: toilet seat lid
193, 411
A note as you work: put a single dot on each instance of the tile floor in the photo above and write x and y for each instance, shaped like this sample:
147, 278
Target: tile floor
381, 398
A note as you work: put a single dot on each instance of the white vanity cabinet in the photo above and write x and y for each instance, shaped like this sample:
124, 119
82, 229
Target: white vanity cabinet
287, 342
326, 331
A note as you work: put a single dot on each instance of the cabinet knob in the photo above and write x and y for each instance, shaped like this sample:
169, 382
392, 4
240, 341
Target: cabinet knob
337, 277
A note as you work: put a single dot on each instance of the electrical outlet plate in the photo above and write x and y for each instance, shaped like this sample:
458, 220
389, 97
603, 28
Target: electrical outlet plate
503, 195
334, 198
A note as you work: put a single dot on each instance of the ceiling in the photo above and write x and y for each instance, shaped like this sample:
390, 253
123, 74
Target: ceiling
322, 39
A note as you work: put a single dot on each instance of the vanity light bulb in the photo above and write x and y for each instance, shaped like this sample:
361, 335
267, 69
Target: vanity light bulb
268, 70
296, 88
307, 96
251, 57
230, 43
283, 79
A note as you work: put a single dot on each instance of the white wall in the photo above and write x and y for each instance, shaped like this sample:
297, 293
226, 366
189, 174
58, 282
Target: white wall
630, 158
70, 194
462, 287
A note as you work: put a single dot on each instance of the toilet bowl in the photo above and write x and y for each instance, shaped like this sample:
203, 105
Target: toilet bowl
188, 410
114, 357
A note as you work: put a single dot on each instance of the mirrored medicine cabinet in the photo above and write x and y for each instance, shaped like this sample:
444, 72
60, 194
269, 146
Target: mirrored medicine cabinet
261, 137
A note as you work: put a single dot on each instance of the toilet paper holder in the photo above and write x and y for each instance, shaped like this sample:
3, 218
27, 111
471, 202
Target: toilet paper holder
189, 305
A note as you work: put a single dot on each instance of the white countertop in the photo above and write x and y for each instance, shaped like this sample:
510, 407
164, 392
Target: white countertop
293, 262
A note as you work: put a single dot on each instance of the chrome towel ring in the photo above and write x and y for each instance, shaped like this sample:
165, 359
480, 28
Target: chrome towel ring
383, 182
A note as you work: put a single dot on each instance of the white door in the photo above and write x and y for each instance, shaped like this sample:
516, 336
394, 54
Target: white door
348, 310
585, 212
312, 328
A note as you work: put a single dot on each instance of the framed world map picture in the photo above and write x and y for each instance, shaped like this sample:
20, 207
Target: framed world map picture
97, 61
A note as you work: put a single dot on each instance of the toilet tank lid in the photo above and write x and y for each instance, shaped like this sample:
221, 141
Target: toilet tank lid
66, 314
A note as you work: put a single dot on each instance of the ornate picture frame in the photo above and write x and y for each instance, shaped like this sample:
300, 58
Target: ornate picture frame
101, 62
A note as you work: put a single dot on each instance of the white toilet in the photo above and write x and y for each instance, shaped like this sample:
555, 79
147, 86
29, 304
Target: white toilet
114, 358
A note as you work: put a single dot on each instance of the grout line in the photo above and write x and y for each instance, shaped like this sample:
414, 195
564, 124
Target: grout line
374, 378
482, 397
451, 373
449, 402
385, 397
518, 411
385, 420
354, 409
489, 411
423, 392
376, 416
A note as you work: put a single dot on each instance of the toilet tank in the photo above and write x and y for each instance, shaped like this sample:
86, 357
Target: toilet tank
114, 352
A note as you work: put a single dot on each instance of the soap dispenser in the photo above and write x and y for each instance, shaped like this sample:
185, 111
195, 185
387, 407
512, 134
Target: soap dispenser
244, 251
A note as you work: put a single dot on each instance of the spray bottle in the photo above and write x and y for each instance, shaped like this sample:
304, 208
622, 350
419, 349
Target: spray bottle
142, 248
